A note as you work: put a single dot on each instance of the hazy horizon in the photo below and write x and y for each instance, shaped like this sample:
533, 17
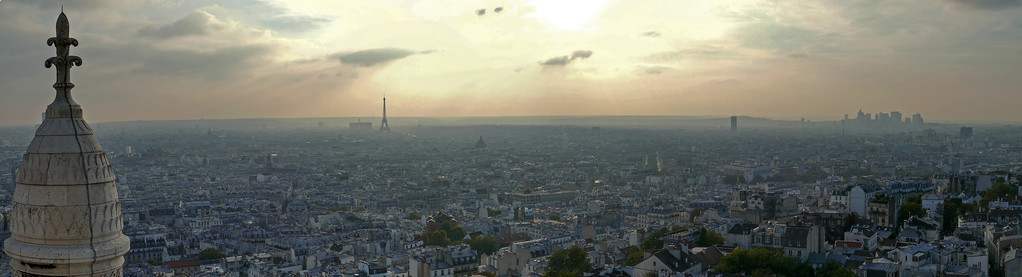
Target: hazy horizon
613, 121
949, 60
509, 119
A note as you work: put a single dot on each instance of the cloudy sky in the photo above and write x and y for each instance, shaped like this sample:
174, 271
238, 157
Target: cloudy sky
952, 60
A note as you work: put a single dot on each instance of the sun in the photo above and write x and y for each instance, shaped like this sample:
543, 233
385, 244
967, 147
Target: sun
567, 15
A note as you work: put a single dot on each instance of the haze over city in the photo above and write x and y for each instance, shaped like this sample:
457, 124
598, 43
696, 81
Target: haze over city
951, 60
510, 138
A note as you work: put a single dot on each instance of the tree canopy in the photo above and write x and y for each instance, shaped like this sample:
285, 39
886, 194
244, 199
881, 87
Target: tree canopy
763, 262
483, 244
910, 209
708, 238
633, 255
652, 240
448, 233
996, 192
835, 269
951, 209
209, 254
568, 262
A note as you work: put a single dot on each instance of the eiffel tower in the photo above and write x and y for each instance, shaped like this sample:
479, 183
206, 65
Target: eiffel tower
383, 126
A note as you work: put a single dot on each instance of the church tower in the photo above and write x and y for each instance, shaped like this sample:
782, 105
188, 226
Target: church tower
65, 219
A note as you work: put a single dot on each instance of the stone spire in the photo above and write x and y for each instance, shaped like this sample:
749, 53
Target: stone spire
65, 219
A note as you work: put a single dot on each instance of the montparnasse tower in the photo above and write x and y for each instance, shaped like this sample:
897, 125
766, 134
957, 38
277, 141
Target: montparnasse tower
65, 219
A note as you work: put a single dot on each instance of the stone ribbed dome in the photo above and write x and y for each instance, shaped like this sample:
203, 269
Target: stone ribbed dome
65, 219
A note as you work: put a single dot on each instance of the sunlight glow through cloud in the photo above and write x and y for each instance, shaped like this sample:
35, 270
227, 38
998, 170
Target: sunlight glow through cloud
568, 15
267, 58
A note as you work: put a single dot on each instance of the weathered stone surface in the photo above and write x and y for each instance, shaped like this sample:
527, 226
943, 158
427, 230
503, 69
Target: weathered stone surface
65, 169
65, 219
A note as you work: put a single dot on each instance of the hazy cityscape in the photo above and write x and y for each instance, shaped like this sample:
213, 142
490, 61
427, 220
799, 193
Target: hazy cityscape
521, 139
318, 197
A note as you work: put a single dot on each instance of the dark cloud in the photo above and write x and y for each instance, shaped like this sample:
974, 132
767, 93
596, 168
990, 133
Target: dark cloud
218, 65
565, 60
694, 52
581, 54
782, 38
651, 69
481, 12
294, 23
652, 34
371, 57
498, 9
556, 61
78, 5
194, 24
987, 4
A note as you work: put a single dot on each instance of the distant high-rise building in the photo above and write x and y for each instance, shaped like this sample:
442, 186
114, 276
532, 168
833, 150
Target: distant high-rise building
917, 119
896, 117
965, 133
384, 127
883, 118
65, 216
734, 124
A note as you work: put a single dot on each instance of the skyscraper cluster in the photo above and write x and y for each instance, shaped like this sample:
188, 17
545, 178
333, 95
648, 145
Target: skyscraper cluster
882, 120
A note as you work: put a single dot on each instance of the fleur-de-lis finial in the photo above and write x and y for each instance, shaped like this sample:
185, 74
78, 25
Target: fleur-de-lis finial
63, 61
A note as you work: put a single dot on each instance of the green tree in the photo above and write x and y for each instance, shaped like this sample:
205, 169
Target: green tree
633, 255
456, 233
483, 244
708, 238
996, 192
438, 238
339, 209
763, 262
910, 209
967, 208
915, 198
568, 262
448, 234
209, 254
835, 269
486, 273
652, 240
651, 274
950, 211
414, 216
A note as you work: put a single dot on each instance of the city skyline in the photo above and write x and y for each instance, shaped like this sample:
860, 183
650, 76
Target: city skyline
883, 193
297, 59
